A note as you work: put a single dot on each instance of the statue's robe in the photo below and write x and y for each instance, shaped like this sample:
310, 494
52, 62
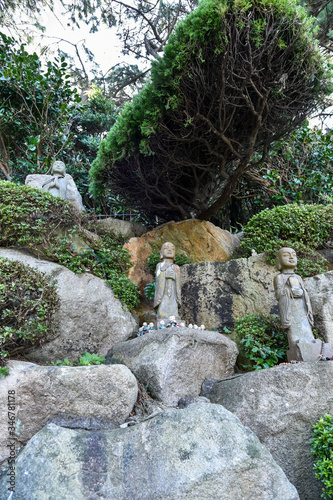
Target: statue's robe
295, 313
167, 291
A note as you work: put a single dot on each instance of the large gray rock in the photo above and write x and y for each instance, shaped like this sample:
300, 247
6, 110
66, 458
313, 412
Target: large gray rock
320, 289
107, 393
126, 228
72, 193
280, 405
200, 453
90, 317
174, 362
217, 293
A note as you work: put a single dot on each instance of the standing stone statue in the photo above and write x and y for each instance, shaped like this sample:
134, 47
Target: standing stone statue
167, 291
295, 310
57, 185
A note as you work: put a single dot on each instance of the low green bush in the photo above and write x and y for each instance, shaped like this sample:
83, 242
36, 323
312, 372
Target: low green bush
36, 220
305, 228
322, 450
262, 341
28, 302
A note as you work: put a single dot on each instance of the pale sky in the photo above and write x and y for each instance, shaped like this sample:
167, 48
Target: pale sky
104, 44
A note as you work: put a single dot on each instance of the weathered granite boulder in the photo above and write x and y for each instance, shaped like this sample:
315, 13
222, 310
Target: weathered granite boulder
174, 362
217, 293
320, 289
90, 317
72, 193
126, 228
41, 392
280, 405
200, 240
199, 453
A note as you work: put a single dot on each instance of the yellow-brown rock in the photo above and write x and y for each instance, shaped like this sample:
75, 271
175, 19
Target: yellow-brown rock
200, 240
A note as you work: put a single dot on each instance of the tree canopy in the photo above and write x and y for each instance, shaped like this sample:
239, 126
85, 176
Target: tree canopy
36, 109
234, 78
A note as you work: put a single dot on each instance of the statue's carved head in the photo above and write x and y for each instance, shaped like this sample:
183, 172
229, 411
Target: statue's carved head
58, 168
286, 259
168, 251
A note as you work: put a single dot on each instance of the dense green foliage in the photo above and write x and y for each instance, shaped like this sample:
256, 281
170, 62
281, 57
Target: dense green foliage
299, 169
42, 119
180, 146
47, 225
305, 228
91, 120
31, 217
262, 341
36, 108
322, 450
28, 302
323, 11
87, 359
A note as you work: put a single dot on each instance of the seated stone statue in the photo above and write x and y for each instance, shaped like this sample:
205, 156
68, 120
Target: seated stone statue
295, 310
167, 292
57, 185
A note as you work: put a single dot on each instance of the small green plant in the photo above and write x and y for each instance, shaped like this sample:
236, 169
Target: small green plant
305, 228
87, 359
4, 371
64, 362
262, 341
322, 450
149, 290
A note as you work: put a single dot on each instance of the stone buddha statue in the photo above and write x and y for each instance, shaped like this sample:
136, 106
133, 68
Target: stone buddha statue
57, 185
296, 311
167, 292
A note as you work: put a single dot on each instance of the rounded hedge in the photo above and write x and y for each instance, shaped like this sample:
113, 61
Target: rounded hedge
45, 224
180, 144
29, 216
305, 228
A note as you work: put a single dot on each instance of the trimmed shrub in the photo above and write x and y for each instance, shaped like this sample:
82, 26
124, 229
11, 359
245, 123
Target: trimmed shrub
36, 220
180, 146
305, 228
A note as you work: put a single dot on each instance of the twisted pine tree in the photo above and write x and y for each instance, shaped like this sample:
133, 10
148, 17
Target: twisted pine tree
235, 77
